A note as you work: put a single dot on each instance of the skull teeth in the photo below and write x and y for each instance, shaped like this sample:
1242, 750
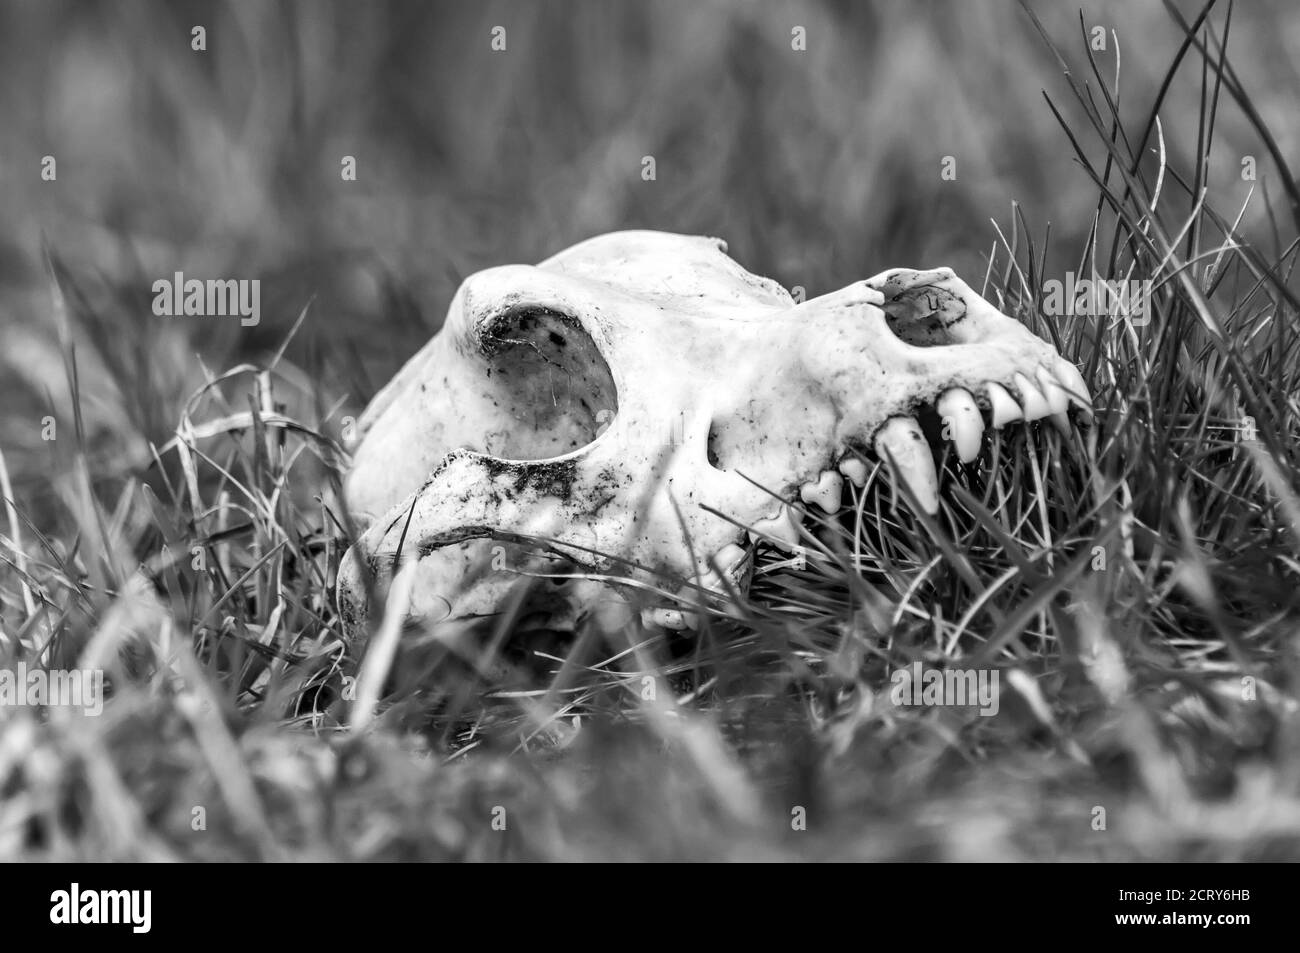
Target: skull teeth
782, 530
1057, 399
825, 492
855, 469
963, 422
730, 560
901, 439
1034, 403
1005, 408
664, 617
1075, 387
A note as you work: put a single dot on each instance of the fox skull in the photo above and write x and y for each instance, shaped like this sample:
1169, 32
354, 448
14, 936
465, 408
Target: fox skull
647, 406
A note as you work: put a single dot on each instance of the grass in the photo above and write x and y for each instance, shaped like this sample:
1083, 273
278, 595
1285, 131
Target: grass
1134, 582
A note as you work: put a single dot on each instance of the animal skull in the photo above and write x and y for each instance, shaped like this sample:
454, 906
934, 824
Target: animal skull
642, 401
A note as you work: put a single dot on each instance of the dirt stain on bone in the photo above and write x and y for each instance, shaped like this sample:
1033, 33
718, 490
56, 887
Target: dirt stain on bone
547, 478
504, 328
923, 314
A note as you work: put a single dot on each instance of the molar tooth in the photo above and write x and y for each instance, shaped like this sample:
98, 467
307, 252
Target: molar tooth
1034, 403
825, 492
902, 438
781, 530
664, 618
1005, 408
855, 469
692, 596
963, 420
705, 580
730, 558
1075, 387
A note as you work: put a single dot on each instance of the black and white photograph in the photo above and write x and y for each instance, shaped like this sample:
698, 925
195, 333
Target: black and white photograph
669, 432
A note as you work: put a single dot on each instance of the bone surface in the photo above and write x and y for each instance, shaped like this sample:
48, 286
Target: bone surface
639, 400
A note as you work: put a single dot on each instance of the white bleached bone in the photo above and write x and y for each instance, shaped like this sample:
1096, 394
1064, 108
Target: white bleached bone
639, 399
962, 418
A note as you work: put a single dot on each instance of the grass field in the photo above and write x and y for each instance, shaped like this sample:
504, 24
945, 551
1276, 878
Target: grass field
174, 517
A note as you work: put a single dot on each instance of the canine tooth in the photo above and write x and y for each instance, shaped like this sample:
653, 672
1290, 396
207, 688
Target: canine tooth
1057, 398
966, 426
855, 470
1005, 408
782, 530
1075, 387
1034, 403
902, 438
825, 492
664, 618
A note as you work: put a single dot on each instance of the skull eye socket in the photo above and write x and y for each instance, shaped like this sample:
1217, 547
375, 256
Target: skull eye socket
548, 378
923, 315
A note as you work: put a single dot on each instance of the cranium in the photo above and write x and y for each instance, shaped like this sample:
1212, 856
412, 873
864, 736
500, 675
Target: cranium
643, 402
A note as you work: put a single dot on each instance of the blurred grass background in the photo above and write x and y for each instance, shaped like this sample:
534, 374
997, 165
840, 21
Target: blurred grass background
819, 166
